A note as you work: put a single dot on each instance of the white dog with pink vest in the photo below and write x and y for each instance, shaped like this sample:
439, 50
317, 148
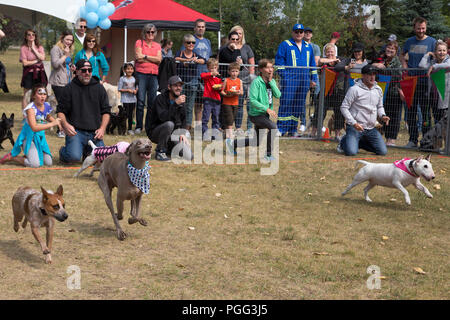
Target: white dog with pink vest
399, 174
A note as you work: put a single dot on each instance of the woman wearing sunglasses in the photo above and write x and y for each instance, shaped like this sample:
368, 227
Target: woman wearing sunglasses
31, 56
187, 69
92, 53
148, 57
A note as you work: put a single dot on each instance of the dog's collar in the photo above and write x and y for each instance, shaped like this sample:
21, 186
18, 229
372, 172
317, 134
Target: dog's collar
44, 213
411, 168
140, 178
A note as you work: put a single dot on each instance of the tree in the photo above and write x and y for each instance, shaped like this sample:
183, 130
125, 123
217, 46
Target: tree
430, 10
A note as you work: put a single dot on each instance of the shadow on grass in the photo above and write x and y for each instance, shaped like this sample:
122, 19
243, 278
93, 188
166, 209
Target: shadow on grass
15, 251
398, 206
11, 97
95, 230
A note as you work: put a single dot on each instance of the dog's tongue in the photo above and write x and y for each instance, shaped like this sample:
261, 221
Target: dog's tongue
145, 155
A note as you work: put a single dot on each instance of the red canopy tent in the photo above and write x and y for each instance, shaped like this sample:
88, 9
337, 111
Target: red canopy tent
164, 14
134, 14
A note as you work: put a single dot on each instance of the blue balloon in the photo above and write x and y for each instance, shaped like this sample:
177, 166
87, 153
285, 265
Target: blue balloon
105, 24
103, 12
83, 12
102, 2
111, 8
92, 19
91, 5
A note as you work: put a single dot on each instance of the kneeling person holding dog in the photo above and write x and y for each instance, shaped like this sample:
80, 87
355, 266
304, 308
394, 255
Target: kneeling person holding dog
84, 112
167, 114
361, 107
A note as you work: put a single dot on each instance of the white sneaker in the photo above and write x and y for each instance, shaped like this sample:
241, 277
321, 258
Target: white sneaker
239, 132
61, 134
137, 131
249, 132
279, 133
131, 132
296, 134
302, 128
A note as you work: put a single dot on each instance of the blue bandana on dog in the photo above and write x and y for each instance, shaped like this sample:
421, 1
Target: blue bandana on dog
140, 177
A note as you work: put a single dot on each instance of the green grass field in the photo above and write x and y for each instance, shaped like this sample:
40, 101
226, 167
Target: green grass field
228, 232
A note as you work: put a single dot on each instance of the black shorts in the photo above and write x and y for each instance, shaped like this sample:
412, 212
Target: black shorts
228, 114
28, 82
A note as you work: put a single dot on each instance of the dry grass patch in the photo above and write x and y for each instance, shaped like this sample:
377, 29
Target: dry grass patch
286, 236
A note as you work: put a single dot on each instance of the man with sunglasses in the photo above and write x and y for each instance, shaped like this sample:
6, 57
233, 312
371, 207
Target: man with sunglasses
78, 36
295, 82
84, 112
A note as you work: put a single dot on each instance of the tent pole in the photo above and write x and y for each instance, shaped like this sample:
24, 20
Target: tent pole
125, 30
218, 39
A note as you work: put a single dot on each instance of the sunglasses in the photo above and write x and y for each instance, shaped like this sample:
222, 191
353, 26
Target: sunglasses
84, 70
90, 41
30, 34
152, 32
190, 42
82, 27
41, 92
299, 31
234, 39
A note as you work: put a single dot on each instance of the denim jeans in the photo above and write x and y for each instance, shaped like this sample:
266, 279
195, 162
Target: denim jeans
370, 140
240, 113
190, 91
77, 146
148, 86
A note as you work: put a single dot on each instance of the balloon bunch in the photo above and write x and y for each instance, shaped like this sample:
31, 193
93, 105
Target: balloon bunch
96, 13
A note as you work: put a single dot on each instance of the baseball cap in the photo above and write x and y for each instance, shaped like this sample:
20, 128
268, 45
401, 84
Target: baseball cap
392, 37
174, 79
368, 69
298, 26
358, 47
80, 63
308, 29
335, 35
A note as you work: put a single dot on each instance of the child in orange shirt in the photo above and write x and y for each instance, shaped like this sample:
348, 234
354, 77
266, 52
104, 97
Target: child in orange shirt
232, 89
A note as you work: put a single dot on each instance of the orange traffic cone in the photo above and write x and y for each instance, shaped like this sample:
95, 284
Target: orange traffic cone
326, 136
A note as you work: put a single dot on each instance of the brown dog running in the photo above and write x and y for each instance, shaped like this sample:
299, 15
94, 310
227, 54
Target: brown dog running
116, 171
41, 209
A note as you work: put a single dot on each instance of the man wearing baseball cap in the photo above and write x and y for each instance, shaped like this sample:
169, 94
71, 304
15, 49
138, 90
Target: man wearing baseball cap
362, 106
167, 125
84, 112
295, 82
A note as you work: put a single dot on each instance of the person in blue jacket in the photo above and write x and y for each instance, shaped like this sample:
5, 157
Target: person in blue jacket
295, 82
92, 53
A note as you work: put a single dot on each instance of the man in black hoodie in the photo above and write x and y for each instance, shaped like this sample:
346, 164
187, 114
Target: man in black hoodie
168, 118
84, 112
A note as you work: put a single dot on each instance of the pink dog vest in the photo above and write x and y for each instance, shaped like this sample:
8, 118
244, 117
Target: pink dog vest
100, 153
401, 165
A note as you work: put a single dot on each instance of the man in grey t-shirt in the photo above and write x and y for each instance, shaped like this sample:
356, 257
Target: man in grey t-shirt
316, 49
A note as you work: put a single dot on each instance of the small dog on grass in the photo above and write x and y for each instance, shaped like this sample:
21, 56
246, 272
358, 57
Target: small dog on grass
129, 173
40, 209
398, 175
5, 129
99, 154
118, 120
